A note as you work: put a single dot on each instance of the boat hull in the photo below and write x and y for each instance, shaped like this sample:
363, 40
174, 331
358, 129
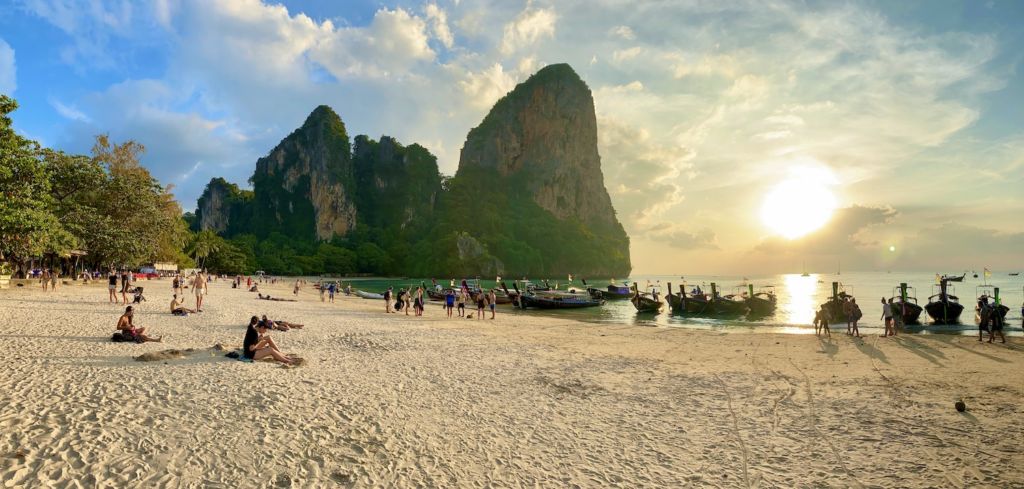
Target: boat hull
944, 312
609, 294
760, 307
369, 295
646, 304
911, 312
728, 307
558, 302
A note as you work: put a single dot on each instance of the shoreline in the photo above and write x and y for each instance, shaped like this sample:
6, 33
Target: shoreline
521, 400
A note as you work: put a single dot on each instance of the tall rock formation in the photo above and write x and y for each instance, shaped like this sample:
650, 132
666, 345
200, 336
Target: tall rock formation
533, 164
304, 187
396, 186
543, 135
224, 208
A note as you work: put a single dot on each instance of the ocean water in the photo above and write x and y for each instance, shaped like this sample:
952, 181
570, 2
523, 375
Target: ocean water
798, 299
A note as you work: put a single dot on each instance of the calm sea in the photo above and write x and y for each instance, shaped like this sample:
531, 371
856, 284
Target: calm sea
798, 298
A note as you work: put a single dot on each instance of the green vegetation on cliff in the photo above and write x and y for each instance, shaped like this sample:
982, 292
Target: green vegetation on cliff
528, 199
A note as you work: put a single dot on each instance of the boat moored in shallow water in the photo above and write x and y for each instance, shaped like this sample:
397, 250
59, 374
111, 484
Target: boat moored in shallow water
646, 301
944, 307
904, 301
761, 303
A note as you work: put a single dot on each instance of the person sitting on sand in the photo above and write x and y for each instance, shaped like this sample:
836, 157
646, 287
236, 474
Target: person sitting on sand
129, 330
178, 306
277, 299
259, 345
281, 325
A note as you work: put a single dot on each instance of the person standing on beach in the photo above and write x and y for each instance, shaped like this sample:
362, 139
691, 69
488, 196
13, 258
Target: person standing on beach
462, 303
322, 290
331, 289
449, 301
295, 291
112, 285
481, 304
387, 300
199, 289
403, 296
45, 279
887, 316
897, 316
492, 300
124, 285
418, 301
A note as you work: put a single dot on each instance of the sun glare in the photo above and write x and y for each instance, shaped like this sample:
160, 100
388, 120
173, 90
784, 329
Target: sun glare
800, 204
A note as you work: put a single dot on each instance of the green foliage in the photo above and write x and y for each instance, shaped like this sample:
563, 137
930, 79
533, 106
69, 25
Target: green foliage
28, 225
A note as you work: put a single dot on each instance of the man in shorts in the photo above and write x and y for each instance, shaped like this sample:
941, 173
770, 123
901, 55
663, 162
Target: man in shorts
199, 289
112, 286
449, 302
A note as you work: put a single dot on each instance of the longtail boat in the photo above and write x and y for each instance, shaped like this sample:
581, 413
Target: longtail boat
645, 302
904, 301
944, 307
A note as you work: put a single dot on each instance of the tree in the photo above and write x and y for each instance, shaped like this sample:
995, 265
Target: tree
28, 226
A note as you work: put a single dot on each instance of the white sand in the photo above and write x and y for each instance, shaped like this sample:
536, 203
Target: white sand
390, 400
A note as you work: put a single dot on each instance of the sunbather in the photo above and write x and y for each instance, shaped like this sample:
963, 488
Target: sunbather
281, 325
268, 298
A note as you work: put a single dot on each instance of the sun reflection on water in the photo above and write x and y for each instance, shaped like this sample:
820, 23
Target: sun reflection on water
800, 291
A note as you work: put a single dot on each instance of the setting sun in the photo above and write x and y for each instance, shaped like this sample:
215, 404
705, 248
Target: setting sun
800, 204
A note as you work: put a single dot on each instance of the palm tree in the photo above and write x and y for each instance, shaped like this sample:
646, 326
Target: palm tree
204, 244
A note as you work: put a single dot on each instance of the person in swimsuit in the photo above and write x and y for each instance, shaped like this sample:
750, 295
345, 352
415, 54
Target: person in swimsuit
125, 326
481, 304
112, 286
178, 306
281, 325
462, 303
492, 300
259, 345
199, 288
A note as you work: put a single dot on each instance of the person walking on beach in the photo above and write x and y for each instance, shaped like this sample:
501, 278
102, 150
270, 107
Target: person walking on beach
295, 291
112, 285
887, 316
854, 316
199, 289
492, 300
897, 316
125, 284
54, 276
331, 289
387, 300
449, 301
403, 297
995, 321
821, 320
129, 330
45, 278
323, 290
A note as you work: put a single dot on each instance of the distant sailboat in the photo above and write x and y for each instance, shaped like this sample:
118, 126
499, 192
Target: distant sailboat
805, 274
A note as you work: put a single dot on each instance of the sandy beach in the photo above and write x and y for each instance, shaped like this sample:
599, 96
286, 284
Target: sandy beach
395, 400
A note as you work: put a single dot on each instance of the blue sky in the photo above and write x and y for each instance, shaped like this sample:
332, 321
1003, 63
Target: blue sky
910, 108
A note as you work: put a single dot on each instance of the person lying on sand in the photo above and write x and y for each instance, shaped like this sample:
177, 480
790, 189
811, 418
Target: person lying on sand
281, 325
258, 345
268, 298
125, 326
178, 306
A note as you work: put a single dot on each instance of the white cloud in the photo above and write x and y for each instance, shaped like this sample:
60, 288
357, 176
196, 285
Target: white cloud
532, 25
68, 112
484, 88
439, 25
624, 32
8, 69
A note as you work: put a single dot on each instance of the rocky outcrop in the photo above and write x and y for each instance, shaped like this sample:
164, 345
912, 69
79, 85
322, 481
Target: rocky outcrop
304, 186
536, 155
545, 131
223, 207
396, 186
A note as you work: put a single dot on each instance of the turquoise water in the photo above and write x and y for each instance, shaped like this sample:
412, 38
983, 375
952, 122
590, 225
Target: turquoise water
798, 298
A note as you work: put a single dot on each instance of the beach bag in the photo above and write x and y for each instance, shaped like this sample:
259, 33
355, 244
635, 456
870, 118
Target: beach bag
857, 314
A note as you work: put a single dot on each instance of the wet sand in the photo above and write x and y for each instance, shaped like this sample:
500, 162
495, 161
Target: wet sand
395, 400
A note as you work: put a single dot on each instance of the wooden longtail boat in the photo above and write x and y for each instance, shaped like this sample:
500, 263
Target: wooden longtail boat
645, 302
904, 301
944, 307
